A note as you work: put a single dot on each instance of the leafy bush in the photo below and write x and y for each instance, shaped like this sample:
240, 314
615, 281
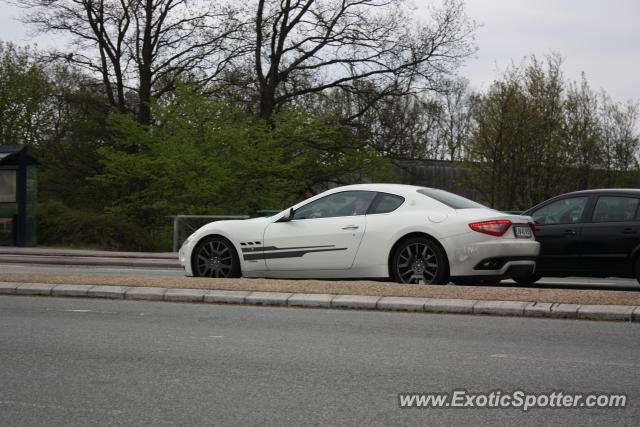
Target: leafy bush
204, 157
60, 225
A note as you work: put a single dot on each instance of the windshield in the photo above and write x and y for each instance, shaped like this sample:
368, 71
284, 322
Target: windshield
452, 200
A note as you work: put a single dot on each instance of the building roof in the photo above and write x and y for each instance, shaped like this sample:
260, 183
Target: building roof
10, 155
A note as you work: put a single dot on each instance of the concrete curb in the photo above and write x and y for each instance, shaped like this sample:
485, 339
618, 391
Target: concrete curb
402, 303
185, 295
114, 292
145, 293
355, 301
43, 289
226, 297
501, 308
446, 305
70, 290
311, 300
267, 298
424, 305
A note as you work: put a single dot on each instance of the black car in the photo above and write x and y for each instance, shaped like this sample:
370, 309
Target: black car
591, 233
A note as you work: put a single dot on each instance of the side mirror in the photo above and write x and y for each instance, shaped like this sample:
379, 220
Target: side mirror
288, 216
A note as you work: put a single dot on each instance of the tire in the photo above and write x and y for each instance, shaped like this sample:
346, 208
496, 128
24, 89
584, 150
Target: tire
527, 280
636, 269
215, 257
420, 261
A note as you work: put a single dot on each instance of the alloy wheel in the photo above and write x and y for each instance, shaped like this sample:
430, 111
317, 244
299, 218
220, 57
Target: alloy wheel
417, 262
214, 258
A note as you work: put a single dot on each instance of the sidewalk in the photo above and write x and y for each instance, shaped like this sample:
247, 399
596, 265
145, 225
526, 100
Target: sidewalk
39, 255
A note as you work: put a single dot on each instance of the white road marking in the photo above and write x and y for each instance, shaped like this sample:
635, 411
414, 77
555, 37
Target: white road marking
60, 407
82, 311
540, 359
190, 337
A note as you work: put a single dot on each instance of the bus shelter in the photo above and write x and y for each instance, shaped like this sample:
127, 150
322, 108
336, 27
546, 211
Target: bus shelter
18, 196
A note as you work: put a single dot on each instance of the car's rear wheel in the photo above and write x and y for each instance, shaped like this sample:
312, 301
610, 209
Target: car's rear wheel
215, 256
420, 261
636, 269
527, 280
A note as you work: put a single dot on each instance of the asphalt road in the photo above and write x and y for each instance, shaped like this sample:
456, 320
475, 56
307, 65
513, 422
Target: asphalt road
93, 362
548, 282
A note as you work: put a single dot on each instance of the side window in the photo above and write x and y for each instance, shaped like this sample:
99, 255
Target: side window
387, 203
347, 203
611, 208
565, 211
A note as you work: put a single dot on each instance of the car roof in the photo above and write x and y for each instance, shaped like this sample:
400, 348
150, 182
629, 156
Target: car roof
593, 191
634, 191
382, 187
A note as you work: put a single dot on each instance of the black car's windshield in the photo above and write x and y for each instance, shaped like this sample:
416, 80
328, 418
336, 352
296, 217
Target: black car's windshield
452, 200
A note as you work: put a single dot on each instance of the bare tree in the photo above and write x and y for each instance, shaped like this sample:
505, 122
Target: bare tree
620, 140
140, 45
308, 46
455, 120
582, 133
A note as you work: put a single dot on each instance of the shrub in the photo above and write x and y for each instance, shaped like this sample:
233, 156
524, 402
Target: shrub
61, 225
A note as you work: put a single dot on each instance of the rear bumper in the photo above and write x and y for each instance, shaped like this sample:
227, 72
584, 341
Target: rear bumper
498, 262
496, 258
511, 271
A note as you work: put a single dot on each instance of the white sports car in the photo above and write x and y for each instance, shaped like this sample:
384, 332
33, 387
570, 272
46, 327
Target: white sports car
406, 233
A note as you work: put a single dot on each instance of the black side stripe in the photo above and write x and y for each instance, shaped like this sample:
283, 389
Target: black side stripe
275, 248
287, 254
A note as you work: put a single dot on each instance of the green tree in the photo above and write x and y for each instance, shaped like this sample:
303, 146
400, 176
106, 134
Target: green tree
207, 158
68, 155
24, 95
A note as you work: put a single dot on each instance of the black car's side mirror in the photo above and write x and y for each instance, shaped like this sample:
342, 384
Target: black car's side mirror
288, 216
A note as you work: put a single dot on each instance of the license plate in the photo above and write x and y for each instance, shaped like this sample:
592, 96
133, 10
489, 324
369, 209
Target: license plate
522, 231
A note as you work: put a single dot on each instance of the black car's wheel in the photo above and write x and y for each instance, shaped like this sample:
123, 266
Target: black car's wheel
215, 257
636, 269
420, 261
527, 280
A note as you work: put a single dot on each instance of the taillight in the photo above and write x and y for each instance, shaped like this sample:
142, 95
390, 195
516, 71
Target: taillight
532, 225
494, 228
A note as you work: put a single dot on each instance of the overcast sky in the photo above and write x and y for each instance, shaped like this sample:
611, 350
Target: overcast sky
599, 37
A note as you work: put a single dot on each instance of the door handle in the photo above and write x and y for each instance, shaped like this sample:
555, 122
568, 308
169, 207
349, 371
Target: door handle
350, 227
628, 231
569, 233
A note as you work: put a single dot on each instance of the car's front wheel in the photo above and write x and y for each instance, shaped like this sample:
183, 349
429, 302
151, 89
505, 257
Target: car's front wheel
215, 256
421, 261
